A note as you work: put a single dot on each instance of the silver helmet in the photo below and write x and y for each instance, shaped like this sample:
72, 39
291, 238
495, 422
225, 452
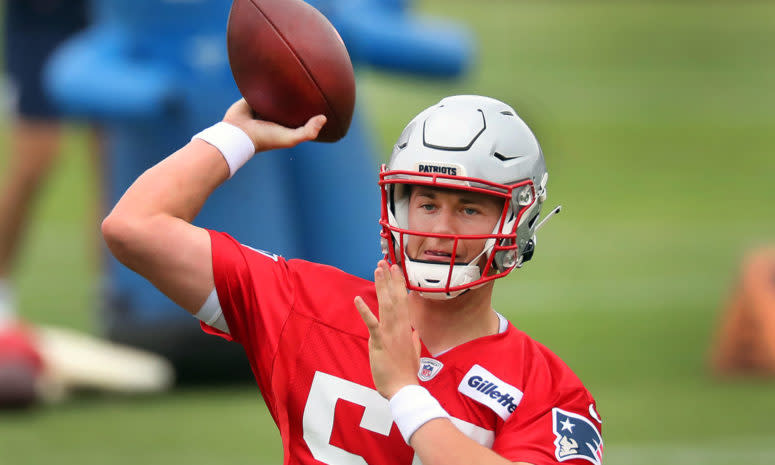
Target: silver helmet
469, 143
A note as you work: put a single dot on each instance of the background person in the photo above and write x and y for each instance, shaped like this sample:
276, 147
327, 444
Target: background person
33, 30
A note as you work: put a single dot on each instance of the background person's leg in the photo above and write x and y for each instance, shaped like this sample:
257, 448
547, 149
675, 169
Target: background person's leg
34, 147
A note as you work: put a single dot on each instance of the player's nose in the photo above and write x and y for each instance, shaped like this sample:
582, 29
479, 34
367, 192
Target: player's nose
444, 221
439, 225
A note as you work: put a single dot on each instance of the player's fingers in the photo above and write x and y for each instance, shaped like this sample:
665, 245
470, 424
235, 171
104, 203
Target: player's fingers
309, 131
399, 296
313, 126
292, 137
417, 344
381, 286
397, 283
384, 295
238, 110
388, 276
385, 267
366, 315
388, 279
268, 135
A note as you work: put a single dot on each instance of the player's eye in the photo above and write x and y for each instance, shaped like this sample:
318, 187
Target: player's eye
428, 207
469, 211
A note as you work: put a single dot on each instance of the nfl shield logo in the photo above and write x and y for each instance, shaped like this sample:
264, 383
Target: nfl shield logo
429, 368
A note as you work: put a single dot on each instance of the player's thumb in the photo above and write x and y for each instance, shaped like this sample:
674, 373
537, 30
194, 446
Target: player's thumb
417, 344
314, 125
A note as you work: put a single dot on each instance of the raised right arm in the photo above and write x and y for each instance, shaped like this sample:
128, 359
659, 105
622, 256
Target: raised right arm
150, 230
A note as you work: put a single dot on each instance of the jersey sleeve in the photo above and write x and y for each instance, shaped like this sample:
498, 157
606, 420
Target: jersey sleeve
556, 422
256, 291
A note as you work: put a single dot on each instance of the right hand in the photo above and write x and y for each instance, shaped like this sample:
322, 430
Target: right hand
267, 135
394, 347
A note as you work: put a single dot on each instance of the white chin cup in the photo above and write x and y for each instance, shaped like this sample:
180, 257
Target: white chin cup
434, 276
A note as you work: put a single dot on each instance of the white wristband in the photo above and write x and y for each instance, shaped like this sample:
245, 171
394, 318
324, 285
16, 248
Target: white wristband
233, 143
413, 406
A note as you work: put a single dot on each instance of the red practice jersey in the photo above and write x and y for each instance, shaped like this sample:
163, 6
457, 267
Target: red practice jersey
308, 349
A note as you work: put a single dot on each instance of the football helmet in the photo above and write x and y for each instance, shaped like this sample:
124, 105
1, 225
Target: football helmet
468, 143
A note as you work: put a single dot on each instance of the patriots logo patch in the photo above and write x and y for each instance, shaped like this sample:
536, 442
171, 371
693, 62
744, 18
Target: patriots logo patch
577, 438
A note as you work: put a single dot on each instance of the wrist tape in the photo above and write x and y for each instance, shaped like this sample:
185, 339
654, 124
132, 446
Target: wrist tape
233, 143
413, 406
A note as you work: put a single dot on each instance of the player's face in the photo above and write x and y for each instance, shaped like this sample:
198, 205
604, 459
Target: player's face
449, 211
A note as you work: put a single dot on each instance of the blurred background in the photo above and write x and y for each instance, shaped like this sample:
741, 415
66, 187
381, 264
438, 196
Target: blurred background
657, 120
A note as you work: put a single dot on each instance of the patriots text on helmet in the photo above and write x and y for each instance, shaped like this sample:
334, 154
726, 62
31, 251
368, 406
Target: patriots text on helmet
435, 169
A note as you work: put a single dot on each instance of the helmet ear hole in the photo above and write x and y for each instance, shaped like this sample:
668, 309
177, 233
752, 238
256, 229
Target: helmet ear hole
529, 249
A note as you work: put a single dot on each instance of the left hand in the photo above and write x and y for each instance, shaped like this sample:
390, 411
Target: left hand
394, 348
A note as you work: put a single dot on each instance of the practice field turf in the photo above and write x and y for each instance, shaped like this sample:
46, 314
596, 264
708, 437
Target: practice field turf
657, 123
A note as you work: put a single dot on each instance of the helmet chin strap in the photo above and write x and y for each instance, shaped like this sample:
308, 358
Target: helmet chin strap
432, 275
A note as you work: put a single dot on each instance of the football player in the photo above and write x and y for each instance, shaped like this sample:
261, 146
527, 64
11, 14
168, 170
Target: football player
432, 374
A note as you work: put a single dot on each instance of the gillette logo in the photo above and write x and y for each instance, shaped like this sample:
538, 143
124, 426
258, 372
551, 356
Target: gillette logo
485, 388
491, 389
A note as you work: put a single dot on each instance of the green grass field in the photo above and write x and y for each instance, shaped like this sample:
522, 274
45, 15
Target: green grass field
657, 122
